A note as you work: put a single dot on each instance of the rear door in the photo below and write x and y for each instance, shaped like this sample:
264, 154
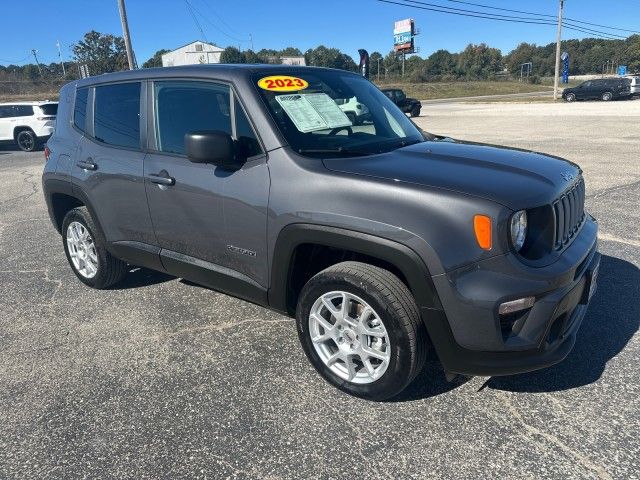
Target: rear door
108, 167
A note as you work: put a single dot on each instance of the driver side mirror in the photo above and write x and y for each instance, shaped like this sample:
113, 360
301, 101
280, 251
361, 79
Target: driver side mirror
211, 146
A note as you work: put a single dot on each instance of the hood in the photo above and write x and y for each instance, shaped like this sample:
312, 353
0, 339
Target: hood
514, 178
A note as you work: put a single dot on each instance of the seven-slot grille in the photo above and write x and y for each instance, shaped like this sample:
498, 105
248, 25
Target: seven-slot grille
569, 213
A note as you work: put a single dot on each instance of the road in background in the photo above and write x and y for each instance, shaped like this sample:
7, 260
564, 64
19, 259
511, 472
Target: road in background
161, 378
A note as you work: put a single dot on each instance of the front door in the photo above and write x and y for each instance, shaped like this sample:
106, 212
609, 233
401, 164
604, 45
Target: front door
199, 209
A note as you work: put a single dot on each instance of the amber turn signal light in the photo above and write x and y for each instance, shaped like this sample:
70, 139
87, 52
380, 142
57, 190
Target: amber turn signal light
482, 228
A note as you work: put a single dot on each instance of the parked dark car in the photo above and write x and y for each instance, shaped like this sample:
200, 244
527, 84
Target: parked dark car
383, 241
603, 88
406, 104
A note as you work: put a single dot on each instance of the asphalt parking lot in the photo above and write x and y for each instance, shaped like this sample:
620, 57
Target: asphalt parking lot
162, 378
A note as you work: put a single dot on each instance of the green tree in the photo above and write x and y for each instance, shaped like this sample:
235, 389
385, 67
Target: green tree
479, 61
329, 57
441, 62
232, 55
103, 53
156, 59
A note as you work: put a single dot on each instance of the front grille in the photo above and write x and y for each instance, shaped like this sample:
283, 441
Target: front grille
569, 214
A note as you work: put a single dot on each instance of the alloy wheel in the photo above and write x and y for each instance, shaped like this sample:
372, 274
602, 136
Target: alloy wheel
82, 250
349, 337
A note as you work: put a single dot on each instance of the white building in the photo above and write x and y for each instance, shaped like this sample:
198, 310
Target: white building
192, 53
297, 61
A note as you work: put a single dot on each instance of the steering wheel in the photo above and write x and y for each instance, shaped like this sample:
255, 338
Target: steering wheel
337, 129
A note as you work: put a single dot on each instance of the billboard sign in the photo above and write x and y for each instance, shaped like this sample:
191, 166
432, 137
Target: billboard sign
565, 67
403, 33
622, 70
402, 26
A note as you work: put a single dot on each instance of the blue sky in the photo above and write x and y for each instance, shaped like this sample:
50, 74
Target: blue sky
346, 24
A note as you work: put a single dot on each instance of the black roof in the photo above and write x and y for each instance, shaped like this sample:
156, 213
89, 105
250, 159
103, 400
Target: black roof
221, 71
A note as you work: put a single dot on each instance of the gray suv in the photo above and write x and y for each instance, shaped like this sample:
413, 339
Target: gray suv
382, 240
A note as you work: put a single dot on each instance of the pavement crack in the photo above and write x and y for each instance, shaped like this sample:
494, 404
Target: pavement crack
26, 178
615, 188
614, 238
219, 327
550, 438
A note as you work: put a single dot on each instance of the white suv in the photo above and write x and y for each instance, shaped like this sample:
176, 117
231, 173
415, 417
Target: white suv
635, 85
27, 124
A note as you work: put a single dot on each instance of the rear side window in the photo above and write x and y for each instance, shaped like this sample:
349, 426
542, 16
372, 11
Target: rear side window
116, 115
80, 108
6, 111
23, 110
49, 109
183, 107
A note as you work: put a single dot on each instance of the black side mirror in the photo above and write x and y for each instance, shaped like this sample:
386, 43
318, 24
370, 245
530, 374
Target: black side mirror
211, 146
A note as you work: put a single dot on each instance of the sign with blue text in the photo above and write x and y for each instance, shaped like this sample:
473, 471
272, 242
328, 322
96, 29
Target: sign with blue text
622, 70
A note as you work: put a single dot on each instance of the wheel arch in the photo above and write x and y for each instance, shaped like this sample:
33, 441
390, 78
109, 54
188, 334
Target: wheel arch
397, 256
62, 197
20, 128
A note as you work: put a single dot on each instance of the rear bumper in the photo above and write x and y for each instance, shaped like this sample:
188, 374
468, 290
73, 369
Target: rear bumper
470, 336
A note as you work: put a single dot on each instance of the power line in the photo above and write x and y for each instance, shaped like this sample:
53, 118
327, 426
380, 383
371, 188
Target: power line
486, 16
195, 19
476, 13
540, 15
498, 17
602, 26
502, 9
214, 25
213, 11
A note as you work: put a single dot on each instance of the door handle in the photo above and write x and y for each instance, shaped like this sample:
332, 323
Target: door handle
162, 178
87, 164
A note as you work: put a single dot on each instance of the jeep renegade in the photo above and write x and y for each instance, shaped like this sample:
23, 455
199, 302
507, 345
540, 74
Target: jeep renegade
382, 240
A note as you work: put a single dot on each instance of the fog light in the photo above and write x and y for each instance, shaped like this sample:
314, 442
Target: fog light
516, 305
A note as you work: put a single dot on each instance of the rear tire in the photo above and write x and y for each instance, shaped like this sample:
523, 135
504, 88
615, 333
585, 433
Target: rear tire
607, 96
85, 249
394, 319
26, 140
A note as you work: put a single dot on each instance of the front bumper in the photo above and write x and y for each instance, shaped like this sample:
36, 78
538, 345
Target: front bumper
470, 336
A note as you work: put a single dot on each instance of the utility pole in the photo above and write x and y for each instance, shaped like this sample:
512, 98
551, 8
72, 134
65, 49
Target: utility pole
403, 58
64, 74
379, 68
34, 51
251, 41
125, 33
558, 40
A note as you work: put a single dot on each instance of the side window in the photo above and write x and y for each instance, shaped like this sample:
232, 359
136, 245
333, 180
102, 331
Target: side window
23, 110
116, 114
80, 108
6, 111
245, 135
183, 107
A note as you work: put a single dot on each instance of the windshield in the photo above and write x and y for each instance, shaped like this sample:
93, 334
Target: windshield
330, 113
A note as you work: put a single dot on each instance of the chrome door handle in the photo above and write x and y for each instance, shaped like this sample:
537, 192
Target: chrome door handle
87, 165
161, 178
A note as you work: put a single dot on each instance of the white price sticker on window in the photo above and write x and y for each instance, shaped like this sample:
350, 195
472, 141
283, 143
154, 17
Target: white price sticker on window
313, 111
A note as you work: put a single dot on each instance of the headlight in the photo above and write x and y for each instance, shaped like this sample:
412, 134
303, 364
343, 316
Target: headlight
518, 229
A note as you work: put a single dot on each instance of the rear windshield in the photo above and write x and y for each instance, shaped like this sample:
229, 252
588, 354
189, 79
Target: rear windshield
49, 109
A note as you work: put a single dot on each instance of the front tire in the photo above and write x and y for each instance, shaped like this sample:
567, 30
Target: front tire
26, 140
571, 97
84, 246
361, 329
607, 96
415, 111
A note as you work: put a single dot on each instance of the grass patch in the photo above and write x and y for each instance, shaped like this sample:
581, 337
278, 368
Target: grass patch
429, 91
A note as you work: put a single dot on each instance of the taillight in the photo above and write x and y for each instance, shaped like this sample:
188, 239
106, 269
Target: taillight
47, 152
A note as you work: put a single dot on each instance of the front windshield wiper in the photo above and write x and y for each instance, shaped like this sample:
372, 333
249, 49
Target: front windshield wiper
339, 151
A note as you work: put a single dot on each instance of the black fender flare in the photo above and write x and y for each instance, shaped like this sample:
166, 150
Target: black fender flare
402, 257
